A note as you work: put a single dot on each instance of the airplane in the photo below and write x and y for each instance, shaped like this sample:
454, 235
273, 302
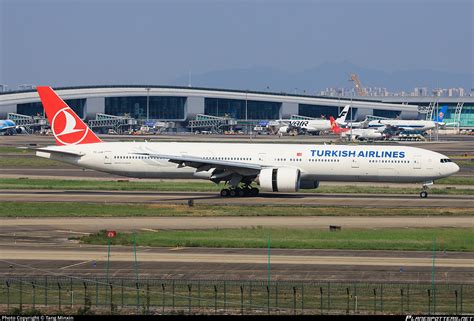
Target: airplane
312, 126
341, 120
397, 125
280, 168
8, 128
356, 133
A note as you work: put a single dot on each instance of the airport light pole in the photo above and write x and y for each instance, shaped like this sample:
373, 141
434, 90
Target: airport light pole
436, 105
433, 285
246, 110
268, 263
147, 103
246, 106
436, 123
351, 118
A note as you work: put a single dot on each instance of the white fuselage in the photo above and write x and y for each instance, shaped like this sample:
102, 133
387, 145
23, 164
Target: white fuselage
406, 125
315, 162
312, 125
363, 133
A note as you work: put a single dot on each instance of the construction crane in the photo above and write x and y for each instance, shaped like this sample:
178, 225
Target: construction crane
358, 86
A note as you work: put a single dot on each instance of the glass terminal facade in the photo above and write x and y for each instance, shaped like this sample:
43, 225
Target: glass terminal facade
242, 109
159, 107
176, 106
467, 114
320, 111
387, 113
36, 109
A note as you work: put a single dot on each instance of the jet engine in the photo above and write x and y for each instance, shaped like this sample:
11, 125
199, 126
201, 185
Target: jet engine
281, 179
20, 130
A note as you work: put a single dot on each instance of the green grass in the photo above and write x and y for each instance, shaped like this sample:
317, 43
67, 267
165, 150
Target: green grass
77, 209
456, 180
30, 162
15, 150
465, 163
26, 183
452, 239
198, 186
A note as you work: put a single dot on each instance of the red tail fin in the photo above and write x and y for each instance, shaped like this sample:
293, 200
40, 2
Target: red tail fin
67, 127
335, 127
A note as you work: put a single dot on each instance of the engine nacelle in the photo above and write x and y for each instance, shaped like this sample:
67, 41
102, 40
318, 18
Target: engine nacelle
20, 130
282, 179
309, 184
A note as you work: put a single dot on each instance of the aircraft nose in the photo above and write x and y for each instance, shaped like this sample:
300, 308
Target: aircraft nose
455, 168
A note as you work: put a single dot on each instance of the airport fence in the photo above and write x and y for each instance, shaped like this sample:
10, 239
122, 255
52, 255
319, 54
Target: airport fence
167, 296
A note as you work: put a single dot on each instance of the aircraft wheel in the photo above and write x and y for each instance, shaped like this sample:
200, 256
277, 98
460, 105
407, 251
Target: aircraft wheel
225, 192
232, 193
240, 192
254, 191
246, 191
424, 194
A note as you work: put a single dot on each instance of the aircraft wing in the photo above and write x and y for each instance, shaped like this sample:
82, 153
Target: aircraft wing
401, 128
5, 128
203, 164
405, 128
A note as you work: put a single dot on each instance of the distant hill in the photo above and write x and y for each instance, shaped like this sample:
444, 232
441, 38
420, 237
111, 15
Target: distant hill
326, 75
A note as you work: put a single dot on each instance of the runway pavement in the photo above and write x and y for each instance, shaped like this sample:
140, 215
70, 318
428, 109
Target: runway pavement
42, 246
39, 246
319, 199
56, 228
49, 227
244, 264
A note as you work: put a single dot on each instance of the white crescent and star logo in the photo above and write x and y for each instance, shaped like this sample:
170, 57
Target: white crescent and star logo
66, 129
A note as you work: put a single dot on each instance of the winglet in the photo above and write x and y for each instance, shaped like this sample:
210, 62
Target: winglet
67, 127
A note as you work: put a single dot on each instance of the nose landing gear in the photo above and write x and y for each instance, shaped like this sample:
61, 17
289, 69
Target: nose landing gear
424, 192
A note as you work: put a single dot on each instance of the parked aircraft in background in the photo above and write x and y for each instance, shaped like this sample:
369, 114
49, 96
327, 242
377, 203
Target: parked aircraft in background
342, 121
356, 133
311, 126
275, 167
397, 125
8, 127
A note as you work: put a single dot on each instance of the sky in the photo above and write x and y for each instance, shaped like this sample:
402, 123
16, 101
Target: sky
66, 42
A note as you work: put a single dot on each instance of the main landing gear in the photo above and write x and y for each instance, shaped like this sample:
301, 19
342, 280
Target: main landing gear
245, 191
424, 192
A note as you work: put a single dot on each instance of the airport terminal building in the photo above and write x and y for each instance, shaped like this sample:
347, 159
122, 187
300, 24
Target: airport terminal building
192, 107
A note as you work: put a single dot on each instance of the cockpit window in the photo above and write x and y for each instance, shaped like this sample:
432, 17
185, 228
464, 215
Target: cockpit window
445, 160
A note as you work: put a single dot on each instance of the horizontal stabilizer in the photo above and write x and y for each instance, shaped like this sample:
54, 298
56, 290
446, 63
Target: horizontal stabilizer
60, 152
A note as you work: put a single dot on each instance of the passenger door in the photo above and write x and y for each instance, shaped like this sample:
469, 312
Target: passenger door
417, 162
355, 162
107, 157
